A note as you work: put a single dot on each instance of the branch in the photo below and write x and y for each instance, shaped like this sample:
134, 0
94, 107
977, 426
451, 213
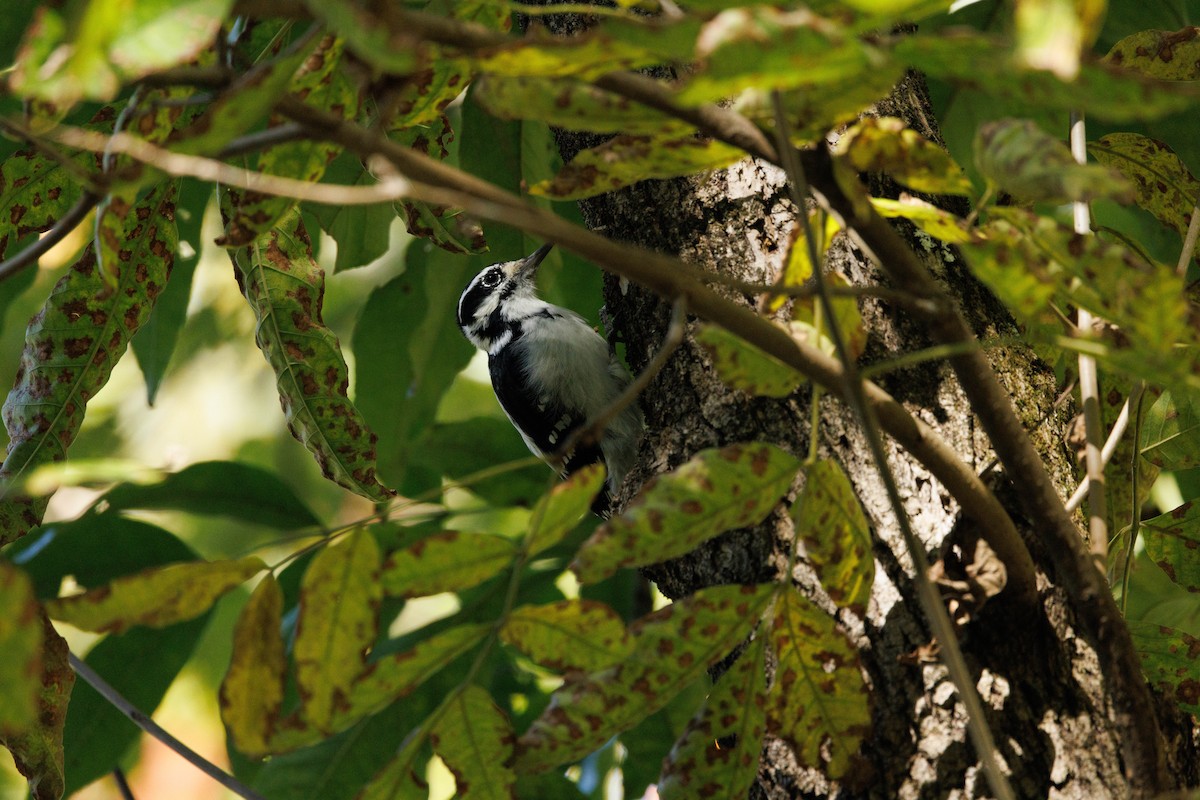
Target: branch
143, 721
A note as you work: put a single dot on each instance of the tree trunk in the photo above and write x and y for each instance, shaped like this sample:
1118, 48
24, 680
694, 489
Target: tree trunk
1048, 703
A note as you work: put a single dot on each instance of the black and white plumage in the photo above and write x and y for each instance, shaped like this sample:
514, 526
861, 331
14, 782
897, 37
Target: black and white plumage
550, 370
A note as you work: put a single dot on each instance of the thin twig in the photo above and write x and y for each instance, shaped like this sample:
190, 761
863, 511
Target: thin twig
66, 223
1110, 444
1189, 243
1089, 383
927, 593
122, 784
1135, 522
143, 721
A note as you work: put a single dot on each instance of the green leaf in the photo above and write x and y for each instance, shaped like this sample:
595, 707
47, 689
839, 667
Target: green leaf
38, 750
224, 488
1022, 160
1171, 431
888, 145
559, 511
819, 702
110, 42
743, 366
21, 642
409, 349
717, 490
362, 232
72, 345
1168, 55
324, 86
571, 104
1173, 543
155, 597
1169, 659
366, 34
336, 627
444, 226
399, 779
570, 635
836, 534
625, 160
672, 648
286, 288
445, 562
35, 191
475, 740
1162, 183
717, 756
929, 218
252, 692
460, 449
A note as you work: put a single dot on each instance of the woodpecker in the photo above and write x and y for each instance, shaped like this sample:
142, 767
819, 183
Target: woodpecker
550, 370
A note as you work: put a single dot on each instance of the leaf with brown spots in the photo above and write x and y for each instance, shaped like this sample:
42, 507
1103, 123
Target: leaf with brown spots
445, 562
819, 702
1162, 183
1173, 542
21, 643
252, 691
34, 192
323, 85
286, 289
717, 755
475, 739
1171, 661
155, 597
336, 626
72, 345
625, 160
38, 751
569, 636
445, 227
888, 145
1167, 55
672, 647
560, 509
743, 366
717, 490
836, 534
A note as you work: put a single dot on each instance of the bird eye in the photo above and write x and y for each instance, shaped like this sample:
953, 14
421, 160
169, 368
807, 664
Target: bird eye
490, 279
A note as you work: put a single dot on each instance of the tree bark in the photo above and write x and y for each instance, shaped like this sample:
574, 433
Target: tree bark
1048, 703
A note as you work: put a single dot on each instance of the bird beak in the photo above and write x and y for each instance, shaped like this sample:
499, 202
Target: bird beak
529, 265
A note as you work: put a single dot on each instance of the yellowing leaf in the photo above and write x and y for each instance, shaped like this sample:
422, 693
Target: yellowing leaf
837, 536
717, 755
743, 366
154, 597
1162, 183
672, 648
339, 600
1167, 55
625, 160
570, 635
445, 562
888, 145
21, 644
1169, 659
717, 490
252, 691
38, 750
929, 218
558, 512
810, 319
475, 740
819, 701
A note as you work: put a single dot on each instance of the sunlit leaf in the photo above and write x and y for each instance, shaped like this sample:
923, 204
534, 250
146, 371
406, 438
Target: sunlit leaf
717, 490
819, 702
21, 643
286, 288
836, 534
625, 160
743, 366
558, 512
1171, 431
155, 597
1031, 165
339, 602
1051, 34
1163, 185
38, 750
672, 648
929, 218
888, 145
476, 741
252, 691
1169, 55
72, 345
717, 756
570, 635
799, 268
810, 320
1169, 659
445, 562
